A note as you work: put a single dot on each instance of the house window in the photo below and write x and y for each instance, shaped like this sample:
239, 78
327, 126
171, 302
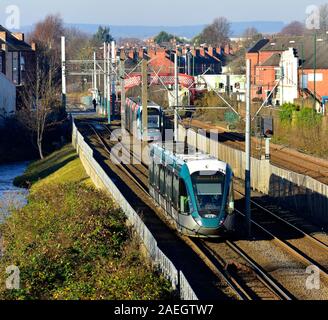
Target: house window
15, 69
277, 74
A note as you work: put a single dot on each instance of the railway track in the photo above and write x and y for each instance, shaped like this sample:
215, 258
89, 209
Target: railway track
243, 274
293, 230
239, 272
224, 285
304, 246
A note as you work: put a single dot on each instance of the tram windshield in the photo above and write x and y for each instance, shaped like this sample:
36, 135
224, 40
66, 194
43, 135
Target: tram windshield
154, 118
209, 187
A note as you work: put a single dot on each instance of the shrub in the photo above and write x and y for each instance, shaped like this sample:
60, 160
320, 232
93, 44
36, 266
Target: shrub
308, 118
71, 242
286, 113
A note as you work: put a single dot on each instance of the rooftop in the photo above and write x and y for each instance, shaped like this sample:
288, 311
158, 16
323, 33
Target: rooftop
13, 43
304, 48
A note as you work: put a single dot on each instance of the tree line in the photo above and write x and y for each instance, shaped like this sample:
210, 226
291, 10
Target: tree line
40, 103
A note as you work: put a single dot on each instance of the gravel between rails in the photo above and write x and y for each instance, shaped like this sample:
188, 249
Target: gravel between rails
238, 266
290, 273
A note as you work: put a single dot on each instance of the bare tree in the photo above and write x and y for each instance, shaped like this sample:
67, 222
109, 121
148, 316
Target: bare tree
130, 42
251, 36
76, 42
295, 28
47, 35
216, 34
324, 17
41, 95
40, 100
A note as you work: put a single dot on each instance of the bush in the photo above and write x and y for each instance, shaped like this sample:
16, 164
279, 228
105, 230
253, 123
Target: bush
308, 118
286, 113
70, 242
210, 99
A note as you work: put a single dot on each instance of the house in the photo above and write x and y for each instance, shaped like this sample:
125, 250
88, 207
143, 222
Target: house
16, 63
7, 98
191, 61
16, 56
289, 68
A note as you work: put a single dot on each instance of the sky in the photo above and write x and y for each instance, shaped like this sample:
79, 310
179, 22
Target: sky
158, 13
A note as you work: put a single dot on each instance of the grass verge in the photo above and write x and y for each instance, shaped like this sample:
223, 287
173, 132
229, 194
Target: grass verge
71, 242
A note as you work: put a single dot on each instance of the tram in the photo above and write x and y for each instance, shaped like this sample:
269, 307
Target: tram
133, 119
194, 189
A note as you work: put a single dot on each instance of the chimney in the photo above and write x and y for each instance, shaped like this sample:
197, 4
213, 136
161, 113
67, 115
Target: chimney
19, 36
140, 53
33, 45
130, 54
210, 51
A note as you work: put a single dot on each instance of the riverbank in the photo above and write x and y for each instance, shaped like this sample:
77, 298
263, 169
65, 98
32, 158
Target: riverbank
11, 196
71, 241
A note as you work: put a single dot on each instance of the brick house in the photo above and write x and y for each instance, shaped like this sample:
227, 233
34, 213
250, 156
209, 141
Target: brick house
16, 56
289, 66
17, 60
191, 61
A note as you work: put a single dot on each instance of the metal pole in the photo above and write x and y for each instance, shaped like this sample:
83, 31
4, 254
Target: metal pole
248, 151
95, 75
105, 79
302, 75
113, 76
176, 87
109, 93
144, 99
122, 77
282, 82
314, 68
63, 58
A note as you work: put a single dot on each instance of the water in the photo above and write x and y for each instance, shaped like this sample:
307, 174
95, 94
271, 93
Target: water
10, 196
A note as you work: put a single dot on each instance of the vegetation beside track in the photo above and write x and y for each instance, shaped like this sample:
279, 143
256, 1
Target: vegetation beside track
71, 241
297, 126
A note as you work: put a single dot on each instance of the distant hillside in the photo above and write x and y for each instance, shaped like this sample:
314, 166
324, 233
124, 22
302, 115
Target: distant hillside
143, 32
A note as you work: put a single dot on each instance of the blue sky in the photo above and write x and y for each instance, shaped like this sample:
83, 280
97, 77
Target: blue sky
167, 12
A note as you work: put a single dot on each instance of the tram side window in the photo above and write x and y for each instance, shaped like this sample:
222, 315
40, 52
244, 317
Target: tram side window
168, 182
156, 176
184, 201
175, 195
162, 180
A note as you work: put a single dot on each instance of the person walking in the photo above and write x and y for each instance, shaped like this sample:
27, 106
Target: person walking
94, 102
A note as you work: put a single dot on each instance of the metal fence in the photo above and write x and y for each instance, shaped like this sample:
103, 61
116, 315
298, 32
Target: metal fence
307, 196
159, 259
